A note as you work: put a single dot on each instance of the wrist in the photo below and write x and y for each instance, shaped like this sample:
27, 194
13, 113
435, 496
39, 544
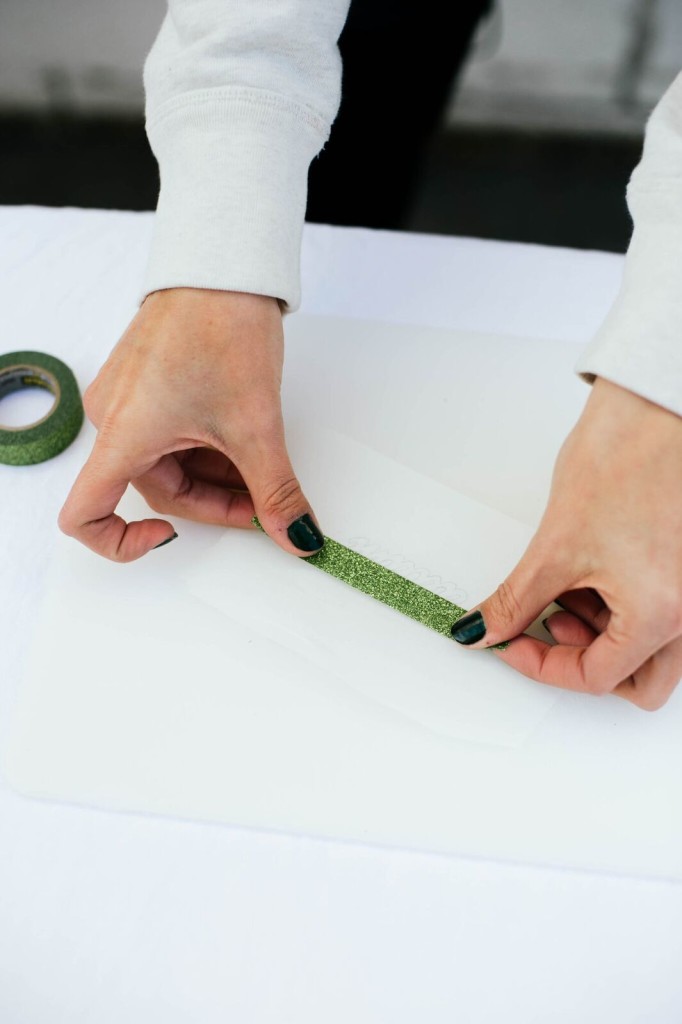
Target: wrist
616, 413
213, 298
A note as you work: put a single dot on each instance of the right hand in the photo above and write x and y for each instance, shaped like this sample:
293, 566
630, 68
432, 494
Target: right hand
187, 409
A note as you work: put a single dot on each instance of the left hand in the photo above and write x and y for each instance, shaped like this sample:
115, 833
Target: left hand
608, 550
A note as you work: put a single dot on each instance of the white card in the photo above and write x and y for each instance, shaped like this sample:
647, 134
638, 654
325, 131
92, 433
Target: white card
255, 705
424, 531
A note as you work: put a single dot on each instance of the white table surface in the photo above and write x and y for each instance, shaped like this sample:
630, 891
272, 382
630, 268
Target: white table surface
109, 918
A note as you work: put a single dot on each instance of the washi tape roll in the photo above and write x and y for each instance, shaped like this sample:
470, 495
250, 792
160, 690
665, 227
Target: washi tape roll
387, 586
47, 437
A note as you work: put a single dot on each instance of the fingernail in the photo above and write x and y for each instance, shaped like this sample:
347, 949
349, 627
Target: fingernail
469, 629
166, 541
544, 623
305, 535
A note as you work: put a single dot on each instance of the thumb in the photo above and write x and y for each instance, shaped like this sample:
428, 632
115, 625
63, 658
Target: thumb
89, 515
280, 504
517, 602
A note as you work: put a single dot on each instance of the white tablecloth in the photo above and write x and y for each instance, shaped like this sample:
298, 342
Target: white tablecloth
108, 918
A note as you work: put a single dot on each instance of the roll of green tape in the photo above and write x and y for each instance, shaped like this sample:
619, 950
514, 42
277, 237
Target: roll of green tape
47, 437
387, 586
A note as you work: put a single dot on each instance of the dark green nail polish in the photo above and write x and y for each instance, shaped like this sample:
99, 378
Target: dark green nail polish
469, 629
166, 541
305, 535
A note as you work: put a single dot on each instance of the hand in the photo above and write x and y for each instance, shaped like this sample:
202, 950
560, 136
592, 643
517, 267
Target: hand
609, 551
187, 409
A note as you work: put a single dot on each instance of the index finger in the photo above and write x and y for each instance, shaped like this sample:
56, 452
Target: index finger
88, 514
598, 668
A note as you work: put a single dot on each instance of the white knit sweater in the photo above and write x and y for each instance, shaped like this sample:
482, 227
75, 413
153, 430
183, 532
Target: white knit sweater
241, 95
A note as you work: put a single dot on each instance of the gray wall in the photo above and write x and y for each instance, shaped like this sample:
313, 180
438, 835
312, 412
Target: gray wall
75, 54
579, 64
573, 64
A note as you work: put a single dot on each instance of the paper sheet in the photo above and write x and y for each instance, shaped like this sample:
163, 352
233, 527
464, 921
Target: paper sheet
141, 695
431, 534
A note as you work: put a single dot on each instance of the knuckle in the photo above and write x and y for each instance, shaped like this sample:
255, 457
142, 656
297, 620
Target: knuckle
66, 523
284, 499
506, 604
182, 491
166, 502
156, 503
650, 701
657, 690
598, 687
624, 627
659, 602
118, 556
89, 401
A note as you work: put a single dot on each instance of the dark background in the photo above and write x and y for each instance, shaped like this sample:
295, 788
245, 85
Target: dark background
508, 180
554, 189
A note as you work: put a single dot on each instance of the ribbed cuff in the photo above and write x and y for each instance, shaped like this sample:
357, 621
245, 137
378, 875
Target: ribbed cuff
639, 345
234, 166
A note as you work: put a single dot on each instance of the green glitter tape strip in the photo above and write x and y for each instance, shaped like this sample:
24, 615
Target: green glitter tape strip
24, 446
388, 587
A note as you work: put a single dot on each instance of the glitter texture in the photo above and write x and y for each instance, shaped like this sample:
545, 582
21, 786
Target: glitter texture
25, 446
387, 586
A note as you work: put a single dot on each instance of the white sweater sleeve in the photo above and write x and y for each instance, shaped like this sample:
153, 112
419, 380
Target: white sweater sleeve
240, 96
639, 345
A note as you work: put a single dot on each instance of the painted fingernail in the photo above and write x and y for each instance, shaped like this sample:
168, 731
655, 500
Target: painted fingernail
305, 535
166, 541
469, 629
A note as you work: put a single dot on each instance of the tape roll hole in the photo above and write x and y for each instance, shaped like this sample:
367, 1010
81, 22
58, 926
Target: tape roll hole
28, 395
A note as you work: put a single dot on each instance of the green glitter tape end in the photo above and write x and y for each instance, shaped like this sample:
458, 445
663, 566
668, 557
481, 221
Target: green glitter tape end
387, 586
